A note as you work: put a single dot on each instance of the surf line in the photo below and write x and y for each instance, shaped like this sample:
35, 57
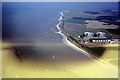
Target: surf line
66, 41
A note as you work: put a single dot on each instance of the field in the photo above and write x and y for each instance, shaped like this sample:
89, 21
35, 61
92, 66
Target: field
76, 21
97, 24
75, 24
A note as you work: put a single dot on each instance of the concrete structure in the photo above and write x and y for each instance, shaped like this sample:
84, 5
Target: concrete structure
101, 35
98, 38
88, 35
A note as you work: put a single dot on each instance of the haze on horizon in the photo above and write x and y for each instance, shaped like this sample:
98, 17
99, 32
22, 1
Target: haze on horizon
60, 0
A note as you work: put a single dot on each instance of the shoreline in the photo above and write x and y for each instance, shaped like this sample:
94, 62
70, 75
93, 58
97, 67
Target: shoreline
74, 47
66, 41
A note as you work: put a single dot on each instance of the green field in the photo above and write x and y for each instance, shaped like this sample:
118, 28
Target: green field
67, 15
78, 21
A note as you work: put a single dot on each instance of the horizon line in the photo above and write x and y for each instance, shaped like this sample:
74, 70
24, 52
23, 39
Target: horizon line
60, 0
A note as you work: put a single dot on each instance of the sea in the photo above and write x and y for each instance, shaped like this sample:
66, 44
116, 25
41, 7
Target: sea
33, 47
30, 20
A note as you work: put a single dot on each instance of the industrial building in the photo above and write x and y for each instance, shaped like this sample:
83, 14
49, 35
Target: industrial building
98, 38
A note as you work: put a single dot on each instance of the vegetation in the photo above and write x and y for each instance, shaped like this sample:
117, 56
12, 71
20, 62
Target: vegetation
74, 24
76, 21
69, 14
91, 12
96, 50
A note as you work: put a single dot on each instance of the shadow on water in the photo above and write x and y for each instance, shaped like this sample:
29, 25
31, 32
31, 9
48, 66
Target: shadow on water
48, 55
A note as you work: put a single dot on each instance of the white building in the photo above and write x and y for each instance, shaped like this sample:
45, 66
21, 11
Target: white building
88, 35
100, 40
101, 35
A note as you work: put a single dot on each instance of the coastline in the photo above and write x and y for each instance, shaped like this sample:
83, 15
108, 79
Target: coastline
66, 41
73, 46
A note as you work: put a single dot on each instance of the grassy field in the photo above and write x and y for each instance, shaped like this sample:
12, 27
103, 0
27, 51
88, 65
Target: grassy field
73, 14
79, 28
78, 21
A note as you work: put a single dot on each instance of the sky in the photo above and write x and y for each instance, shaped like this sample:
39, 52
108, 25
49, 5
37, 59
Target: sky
59, 0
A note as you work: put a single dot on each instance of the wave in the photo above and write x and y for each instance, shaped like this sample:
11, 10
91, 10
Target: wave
65, 40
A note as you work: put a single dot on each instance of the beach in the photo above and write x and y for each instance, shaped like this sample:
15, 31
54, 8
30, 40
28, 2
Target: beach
66, 41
